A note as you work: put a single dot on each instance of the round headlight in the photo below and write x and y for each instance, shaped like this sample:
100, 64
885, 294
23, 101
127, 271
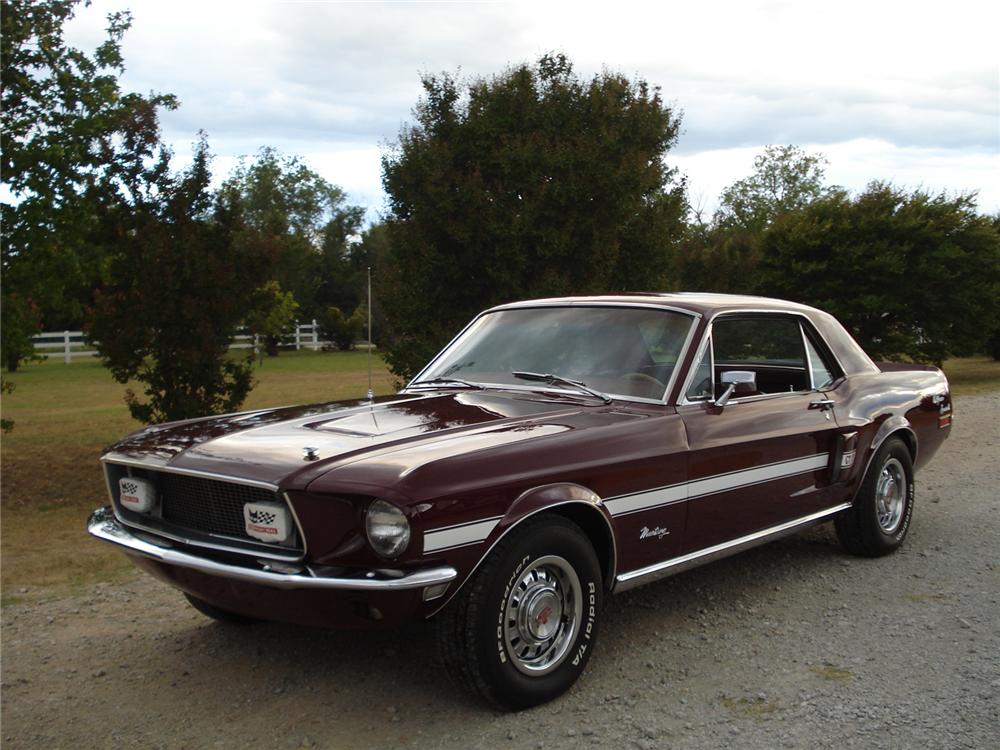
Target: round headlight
387, 528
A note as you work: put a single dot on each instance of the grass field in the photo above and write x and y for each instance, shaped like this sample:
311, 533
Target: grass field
65, 415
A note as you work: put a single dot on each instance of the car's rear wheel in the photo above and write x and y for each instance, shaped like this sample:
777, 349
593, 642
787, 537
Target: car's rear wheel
878, 521
521, 630
221, 615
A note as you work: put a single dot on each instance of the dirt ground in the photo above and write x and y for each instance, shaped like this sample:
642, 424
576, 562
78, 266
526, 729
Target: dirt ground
790, 645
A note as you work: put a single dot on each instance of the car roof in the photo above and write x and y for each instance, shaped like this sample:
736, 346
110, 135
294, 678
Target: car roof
697, 303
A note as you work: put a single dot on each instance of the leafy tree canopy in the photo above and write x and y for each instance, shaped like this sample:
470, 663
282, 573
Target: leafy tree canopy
306, 220
178, 282
912, 275
530, 183
785, 178
74, 145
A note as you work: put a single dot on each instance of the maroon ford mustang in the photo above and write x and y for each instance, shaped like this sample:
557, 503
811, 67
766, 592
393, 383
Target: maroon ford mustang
555, 452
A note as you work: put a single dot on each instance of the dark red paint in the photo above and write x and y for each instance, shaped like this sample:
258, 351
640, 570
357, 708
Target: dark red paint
457, 456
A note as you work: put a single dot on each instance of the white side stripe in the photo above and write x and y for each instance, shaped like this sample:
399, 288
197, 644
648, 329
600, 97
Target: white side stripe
642, 500
473, 532
712, 485
459, 536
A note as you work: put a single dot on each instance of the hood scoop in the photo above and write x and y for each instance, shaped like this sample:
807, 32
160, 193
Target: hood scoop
372, 423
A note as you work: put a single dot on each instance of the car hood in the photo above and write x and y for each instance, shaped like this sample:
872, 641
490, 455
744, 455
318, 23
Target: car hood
269, 445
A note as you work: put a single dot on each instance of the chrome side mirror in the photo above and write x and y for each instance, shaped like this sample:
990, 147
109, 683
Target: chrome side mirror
738, 382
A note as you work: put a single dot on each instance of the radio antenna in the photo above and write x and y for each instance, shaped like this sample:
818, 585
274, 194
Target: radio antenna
371, 392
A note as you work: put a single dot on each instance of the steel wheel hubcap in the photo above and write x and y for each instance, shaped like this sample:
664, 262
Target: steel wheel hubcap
542, 615
890, 496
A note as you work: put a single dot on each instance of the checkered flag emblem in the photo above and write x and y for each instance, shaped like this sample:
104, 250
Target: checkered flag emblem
129, 488
262, 517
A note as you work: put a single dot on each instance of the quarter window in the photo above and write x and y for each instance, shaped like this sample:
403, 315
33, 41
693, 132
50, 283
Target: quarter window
822, 375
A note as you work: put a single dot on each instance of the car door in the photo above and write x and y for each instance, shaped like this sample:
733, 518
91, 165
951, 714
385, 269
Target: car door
763, 458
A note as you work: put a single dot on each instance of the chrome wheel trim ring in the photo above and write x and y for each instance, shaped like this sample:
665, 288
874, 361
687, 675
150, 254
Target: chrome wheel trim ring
890, 496
542, 615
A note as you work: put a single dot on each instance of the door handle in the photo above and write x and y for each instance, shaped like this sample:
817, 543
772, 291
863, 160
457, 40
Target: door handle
823, 404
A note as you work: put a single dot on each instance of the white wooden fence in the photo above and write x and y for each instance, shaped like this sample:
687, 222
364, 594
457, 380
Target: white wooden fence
71, 344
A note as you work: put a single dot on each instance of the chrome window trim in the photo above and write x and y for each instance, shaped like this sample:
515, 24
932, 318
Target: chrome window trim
262, 553
801, 317
695, 317
805, 348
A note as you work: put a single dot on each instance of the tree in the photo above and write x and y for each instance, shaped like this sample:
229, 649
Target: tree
178, 284
342, 331
530, 183
912, 275
785, 178
272, 312
74, 144
306, 219
723, 255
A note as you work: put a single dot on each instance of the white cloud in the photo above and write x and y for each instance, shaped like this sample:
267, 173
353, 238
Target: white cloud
905, 91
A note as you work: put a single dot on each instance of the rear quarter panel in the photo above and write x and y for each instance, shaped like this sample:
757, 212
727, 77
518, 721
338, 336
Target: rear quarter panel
911, 401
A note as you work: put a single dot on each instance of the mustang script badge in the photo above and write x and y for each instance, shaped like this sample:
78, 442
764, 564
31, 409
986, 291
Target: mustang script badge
649, 533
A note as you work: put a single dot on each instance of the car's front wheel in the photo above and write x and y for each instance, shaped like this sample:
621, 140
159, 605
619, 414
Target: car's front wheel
521, 630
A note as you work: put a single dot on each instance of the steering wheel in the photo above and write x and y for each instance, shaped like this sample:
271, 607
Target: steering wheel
644, 379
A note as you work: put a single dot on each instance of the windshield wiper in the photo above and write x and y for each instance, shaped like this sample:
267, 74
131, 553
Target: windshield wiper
560, 380
446, 381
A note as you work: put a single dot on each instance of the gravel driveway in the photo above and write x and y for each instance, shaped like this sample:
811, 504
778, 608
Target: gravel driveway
790, 645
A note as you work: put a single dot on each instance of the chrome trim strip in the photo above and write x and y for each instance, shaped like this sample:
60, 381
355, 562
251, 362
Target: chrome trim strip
154, 465
733, 480
562, 302
655, 572
104, 526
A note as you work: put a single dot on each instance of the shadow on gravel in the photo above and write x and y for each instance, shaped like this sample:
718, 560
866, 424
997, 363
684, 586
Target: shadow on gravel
276, 659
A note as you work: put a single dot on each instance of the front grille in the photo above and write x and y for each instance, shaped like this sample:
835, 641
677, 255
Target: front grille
201, 511
209, 505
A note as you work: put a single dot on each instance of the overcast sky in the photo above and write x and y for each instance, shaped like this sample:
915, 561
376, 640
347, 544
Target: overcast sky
901, 91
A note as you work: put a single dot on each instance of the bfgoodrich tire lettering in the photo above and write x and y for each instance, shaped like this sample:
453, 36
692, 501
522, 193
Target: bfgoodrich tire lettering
522, 629
878, 521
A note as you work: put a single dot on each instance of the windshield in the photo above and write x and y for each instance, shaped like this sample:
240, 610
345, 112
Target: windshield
622, 351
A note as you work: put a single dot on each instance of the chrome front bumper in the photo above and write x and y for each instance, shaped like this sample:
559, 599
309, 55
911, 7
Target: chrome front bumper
105, 526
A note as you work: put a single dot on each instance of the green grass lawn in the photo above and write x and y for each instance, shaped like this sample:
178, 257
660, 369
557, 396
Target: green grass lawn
65, 415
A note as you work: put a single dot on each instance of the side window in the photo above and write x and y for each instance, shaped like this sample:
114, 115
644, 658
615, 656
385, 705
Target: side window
701, 383
822, 374
771, 346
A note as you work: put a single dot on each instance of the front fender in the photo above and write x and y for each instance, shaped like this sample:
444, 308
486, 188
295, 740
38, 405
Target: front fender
572, 500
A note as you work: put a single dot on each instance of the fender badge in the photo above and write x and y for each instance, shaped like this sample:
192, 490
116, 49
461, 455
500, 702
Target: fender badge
659, 532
